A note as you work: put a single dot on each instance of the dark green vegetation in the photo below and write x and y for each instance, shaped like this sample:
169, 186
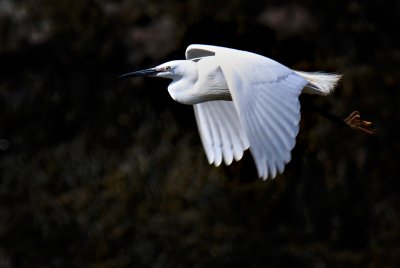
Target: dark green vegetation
101, 172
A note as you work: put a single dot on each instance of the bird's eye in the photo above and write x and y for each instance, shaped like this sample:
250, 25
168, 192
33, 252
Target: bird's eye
168, 68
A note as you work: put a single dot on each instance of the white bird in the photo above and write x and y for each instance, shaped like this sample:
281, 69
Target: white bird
242, 101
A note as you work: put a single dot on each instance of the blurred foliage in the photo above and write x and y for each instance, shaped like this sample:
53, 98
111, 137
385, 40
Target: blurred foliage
99, 172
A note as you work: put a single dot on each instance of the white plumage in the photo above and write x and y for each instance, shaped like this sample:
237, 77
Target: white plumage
242, 100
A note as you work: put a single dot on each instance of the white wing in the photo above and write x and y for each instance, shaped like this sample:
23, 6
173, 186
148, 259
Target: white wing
265, 94
221, 132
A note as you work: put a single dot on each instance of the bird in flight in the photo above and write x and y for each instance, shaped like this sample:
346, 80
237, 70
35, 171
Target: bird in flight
245, 101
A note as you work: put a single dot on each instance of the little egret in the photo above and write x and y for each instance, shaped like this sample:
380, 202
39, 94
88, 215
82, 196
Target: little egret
244, 101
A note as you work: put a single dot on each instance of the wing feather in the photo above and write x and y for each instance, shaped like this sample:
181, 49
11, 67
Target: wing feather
222, 135
216, 137
282, 127
238, 138
265, 95
259, 86
226, 142
205, 131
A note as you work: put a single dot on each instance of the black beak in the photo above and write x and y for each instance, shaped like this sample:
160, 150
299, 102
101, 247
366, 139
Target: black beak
147, 72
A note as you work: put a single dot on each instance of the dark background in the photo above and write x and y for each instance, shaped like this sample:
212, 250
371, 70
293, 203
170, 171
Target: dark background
96, 171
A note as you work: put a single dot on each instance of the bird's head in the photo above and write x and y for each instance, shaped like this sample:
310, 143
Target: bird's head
175, 69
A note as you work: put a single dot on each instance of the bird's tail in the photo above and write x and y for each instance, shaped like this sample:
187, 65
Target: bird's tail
319, 83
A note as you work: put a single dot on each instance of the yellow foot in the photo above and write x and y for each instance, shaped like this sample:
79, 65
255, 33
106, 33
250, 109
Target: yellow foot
354, 121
